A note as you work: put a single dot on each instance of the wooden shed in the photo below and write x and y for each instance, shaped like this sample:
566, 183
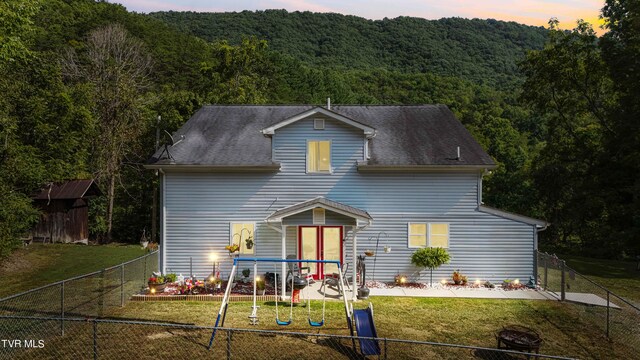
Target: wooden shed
65, 211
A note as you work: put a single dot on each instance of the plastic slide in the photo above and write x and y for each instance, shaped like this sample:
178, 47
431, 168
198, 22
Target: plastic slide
366, 328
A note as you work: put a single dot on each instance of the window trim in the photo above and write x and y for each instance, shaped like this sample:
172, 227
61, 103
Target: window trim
427, 234
317, 121
306, 158
255, 242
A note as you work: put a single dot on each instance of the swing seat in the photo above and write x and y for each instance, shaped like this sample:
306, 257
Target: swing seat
316, 324
283, 323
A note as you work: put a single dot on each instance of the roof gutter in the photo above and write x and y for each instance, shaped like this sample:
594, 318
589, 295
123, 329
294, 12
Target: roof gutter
424, 168
214, 168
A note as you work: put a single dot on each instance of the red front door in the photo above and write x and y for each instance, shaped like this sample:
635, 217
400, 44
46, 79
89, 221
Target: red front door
320, 243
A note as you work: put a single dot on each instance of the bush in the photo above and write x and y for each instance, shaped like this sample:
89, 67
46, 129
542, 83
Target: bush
430, 258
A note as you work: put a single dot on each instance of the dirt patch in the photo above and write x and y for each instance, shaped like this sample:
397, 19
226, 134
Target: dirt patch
18, 262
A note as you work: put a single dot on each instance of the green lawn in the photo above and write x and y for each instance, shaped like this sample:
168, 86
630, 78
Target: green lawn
621, 277
566, 328
41, 264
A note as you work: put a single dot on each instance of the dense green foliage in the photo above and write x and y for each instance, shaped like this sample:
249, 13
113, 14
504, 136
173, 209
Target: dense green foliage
430, 258
485, 51
561, 127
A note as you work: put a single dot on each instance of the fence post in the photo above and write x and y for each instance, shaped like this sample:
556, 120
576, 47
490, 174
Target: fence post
229, 332
385, 348
608, 307
144, 273
95, 339
546, 272
62, 308
562, 280
121, 285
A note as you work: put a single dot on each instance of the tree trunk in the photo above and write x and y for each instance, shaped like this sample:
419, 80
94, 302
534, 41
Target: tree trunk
110, 197
431, 278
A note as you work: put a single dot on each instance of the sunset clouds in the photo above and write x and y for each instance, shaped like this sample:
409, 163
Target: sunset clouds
532, 12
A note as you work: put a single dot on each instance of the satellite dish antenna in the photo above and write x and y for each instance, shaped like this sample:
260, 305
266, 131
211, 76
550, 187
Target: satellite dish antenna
167, 145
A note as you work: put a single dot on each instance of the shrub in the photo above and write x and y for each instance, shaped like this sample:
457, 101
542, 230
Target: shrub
430, 258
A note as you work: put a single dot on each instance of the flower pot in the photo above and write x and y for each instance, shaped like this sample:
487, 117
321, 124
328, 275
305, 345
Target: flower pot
157, 287
369, 252
363, 293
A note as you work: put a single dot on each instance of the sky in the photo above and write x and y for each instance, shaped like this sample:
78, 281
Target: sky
530, 12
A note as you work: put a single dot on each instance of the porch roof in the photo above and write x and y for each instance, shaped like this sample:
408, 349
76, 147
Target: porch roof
322, 202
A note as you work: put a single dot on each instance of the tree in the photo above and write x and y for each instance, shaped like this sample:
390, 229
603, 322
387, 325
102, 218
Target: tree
621, 52
116, 67
569, 88
431, 258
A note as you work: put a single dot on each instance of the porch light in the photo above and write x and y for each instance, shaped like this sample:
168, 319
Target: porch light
213, 257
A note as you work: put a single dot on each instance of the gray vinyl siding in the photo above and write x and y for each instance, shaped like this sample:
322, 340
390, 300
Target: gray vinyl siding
330, 218
200, 206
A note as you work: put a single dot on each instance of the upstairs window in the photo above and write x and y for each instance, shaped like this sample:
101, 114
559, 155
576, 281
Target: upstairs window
319, 156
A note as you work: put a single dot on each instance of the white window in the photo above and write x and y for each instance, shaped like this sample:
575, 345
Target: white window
318, 216
436, 236
243, 235
319, 156
417, 235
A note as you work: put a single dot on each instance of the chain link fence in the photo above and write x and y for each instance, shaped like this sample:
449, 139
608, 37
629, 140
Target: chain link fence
617, 318
118, 339
89, 295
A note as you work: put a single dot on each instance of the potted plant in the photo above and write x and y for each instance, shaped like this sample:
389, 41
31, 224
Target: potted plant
457, 277
369, 252
157, 284
249, 242
233, 248
430, 258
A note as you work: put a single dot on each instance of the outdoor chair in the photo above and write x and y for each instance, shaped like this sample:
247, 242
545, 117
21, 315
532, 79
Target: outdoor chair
295, 270
333, 280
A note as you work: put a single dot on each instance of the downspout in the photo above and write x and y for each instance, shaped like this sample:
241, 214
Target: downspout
163, 227
355, 259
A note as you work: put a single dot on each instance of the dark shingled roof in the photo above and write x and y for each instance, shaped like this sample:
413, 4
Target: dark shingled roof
407, 135
73, 189
322, 202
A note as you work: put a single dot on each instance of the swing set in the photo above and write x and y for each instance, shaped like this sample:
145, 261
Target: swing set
253, 318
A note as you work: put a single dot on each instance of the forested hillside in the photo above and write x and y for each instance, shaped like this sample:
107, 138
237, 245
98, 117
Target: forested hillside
485, 51
86, 84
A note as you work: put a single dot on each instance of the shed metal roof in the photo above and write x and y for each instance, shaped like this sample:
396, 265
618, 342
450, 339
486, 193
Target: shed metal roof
72, 189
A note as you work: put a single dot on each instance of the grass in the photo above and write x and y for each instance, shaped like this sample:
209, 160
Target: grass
621, 277
41, 264
565, 327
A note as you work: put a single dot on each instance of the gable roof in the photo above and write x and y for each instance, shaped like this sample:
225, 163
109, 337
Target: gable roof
409, 136
368, 131
322, 202
73, 189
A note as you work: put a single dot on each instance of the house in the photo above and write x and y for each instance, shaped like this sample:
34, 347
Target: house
330, 183
64, 210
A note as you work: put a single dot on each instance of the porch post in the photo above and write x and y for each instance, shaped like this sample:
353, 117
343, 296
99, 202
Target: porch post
283, 265
354, 286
